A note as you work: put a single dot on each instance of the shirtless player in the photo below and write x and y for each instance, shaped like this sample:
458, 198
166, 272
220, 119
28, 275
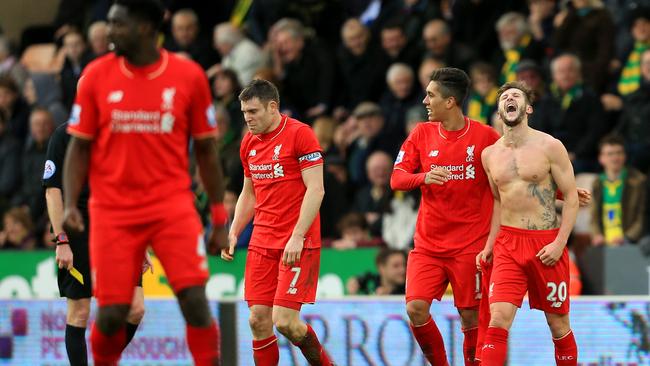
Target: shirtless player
525, 168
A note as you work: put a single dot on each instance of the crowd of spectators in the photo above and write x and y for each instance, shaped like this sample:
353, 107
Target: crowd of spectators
356, 71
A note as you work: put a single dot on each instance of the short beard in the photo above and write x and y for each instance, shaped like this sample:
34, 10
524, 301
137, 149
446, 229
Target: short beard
514, 123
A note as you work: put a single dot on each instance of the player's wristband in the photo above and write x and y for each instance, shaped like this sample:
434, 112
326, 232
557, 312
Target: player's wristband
219, 214
61, 239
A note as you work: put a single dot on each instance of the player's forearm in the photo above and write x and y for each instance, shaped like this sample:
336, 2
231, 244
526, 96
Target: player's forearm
495, 224
75, 170
401, 180
54, 199
308, 210
207, 159
569, 213
244, 212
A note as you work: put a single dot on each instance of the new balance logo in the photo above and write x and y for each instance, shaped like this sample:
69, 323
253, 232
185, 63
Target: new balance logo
115, 96
252, 153
556, 304
433, 153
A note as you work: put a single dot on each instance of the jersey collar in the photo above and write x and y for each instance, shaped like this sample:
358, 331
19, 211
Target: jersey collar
275, 133
151, 71
454, 135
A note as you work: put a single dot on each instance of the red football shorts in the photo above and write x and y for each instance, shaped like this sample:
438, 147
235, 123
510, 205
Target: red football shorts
269, 282
427, 278
117, 253
484, 308
517, 269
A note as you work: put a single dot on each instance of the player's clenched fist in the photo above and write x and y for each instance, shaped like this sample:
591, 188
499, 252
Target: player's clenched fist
72, 220
437, 176
229, 253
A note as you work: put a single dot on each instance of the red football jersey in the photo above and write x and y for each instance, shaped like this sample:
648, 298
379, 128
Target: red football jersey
140, 120
274, 162
453, 217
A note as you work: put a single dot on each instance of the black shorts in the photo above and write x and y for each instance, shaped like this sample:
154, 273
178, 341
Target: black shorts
69, 286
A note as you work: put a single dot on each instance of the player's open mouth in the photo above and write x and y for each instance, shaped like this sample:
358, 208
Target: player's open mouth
512, 107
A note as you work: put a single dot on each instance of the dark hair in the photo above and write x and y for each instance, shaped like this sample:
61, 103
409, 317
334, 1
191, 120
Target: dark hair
452, 82
528, 92
9, 83
611, 139
483, 68
352, 219
150, 11
231, 75
21, 215
385, 253
262, 89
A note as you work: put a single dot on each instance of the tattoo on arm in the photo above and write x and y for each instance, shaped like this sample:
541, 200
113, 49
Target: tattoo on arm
546, 197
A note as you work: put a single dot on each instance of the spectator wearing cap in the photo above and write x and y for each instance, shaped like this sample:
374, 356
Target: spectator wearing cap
517, 43
368, 120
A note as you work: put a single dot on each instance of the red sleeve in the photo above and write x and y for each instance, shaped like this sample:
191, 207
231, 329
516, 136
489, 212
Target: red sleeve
84, 116
405, 176
203, 120
243, 155
307, 149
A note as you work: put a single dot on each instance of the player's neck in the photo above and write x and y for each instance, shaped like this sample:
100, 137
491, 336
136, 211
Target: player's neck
146, 56
516, 135
455, 121
277, 119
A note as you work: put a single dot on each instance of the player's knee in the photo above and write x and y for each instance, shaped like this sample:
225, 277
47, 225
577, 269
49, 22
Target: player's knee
136, 313
418, 311
500, 318
194, 306
559, 325
110, 318
468, 318
78, 316
260, 323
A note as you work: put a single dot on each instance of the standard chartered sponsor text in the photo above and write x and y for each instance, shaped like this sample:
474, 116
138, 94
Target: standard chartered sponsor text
139, 121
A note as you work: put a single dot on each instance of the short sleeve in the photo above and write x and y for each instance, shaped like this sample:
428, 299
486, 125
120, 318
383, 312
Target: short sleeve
54, 159
408, 157
83, 121
203, 119
243, 155
307, 148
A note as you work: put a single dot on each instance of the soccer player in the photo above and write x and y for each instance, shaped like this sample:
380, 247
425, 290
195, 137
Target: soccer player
72, 252
441, 157
525, 168
135, 111
283, 190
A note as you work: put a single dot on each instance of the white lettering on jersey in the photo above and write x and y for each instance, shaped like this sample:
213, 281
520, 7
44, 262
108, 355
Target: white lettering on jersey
278, 170
167, 122
470, 173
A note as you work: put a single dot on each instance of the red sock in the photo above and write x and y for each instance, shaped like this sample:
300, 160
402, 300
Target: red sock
266, 351
495, 347
107, 349
430, 341
204, 344
469, 346
313, 350
566, 350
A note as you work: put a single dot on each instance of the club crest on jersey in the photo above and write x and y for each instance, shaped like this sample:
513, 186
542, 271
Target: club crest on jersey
276, 152
115, 96
168, 98
470, 154
433, 153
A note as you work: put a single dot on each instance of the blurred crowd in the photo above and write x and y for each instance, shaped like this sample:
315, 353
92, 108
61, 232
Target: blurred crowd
356, 71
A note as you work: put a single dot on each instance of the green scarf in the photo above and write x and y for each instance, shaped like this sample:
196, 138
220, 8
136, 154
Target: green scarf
479, 108
513, 56
631, 73
567, 97
613, 208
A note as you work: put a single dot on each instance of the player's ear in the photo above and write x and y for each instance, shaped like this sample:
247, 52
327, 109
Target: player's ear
529, 109
273, 105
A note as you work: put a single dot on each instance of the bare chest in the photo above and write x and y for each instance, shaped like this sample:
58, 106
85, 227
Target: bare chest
516, 165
